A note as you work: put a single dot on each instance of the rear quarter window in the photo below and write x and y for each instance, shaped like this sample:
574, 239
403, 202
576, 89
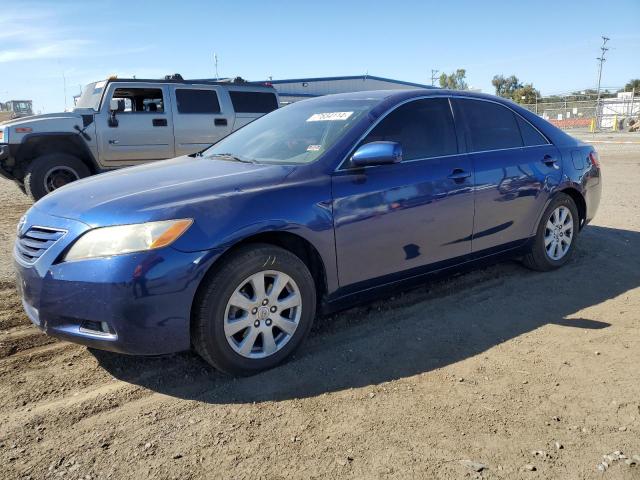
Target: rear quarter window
253, 102
530, 136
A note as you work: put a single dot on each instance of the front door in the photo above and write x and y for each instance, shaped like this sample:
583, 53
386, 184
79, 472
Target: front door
143, 129
390, 219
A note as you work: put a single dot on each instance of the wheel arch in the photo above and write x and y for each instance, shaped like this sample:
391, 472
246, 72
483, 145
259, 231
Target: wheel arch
36, 145
580, 202
292, 242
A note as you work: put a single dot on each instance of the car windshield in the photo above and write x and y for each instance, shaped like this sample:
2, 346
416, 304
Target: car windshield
91, 96
296, 134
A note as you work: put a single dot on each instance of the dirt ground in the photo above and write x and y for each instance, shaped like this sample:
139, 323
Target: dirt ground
493, 366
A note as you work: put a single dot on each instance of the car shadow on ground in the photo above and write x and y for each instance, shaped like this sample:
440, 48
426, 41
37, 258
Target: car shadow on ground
432, 326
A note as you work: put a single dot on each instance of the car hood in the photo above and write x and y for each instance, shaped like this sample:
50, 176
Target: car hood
177, 188
34, 120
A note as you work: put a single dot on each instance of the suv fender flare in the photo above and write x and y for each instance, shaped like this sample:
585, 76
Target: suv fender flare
25, 151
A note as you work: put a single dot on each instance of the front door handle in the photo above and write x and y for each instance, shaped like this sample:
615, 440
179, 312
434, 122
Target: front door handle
549, 161
114, 142
220, 122
159, 122
459, 174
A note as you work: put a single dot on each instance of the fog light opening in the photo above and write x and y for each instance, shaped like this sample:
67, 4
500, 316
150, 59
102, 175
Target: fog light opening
96, 328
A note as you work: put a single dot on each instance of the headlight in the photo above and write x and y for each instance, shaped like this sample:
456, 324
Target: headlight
120, 239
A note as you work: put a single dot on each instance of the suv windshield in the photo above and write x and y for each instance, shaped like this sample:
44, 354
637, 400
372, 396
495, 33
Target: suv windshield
296, 134
91, 96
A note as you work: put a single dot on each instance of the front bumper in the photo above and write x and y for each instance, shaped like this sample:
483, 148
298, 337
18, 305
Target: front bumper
144, 298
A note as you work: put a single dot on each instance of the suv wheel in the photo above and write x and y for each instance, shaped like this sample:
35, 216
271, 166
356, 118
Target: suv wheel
556, 236
49, 172
254, 311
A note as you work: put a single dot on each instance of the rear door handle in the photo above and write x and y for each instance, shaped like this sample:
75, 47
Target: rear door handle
549, 161
220, 122
159, 122
459, 174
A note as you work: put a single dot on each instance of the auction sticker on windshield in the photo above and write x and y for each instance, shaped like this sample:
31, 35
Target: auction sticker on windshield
329, 116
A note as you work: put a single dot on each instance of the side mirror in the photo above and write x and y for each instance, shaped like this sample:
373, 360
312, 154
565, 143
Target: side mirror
377, 153
114, 107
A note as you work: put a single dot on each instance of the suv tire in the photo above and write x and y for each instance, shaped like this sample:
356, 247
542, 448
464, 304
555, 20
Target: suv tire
48, 172
559, 224
241, 331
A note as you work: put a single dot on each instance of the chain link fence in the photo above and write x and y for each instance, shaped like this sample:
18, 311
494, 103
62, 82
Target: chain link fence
607, 114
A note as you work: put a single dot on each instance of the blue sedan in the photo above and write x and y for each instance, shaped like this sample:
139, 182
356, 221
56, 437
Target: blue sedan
233, 252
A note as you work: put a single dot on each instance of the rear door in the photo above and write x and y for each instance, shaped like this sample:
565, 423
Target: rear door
515, 168
203, 115
250, 105
144, 129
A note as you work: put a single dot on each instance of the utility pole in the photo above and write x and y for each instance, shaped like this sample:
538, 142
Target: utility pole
601, 59
434, 74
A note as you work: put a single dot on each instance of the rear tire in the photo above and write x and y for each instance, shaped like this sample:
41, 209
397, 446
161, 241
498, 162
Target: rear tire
49, 172
242, 330
559, 224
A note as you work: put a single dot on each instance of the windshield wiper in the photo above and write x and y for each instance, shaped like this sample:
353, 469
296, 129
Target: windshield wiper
231, 156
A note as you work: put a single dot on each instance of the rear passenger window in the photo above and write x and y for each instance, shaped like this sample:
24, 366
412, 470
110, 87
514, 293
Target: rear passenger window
424, 128
197, 101
530, 135
253, 102
490, 126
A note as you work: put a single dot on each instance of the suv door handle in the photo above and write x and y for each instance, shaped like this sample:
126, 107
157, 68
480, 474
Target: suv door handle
549, 161
159, 122
220, 122
114, 142
459, 174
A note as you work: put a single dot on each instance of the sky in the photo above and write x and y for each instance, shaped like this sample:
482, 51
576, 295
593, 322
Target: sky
45, 45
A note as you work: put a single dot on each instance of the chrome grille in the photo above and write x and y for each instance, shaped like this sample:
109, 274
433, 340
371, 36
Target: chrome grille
35, 241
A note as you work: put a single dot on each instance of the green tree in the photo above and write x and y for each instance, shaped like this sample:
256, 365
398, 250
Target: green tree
455, 81
525, 94
633, 85
505, 86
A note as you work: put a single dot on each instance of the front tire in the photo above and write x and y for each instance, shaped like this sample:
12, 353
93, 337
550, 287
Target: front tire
556, 236
48, 172
254, 311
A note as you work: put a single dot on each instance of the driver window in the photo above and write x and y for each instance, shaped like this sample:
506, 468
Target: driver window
424, 128
139, 100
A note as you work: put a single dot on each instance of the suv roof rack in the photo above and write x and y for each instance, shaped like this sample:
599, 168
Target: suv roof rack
177, 78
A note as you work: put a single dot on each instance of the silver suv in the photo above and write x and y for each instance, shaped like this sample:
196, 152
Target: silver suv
122, 122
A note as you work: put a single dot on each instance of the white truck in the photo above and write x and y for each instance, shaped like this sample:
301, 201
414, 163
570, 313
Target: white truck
122, 122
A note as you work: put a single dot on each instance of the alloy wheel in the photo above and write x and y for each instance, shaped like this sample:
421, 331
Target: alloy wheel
558, 233
262, 314
58, 177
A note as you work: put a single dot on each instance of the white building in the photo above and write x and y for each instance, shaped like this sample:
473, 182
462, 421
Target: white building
300, 88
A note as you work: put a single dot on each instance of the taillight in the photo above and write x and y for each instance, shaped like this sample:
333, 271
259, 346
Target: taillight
595, 160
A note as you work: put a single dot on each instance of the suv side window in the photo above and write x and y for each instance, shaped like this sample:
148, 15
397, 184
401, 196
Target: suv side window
140, 100
253, 102
197, 101
490, 126
530, 135
423, 127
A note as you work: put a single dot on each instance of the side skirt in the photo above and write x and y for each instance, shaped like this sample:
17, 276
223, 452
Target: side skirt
364, 292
